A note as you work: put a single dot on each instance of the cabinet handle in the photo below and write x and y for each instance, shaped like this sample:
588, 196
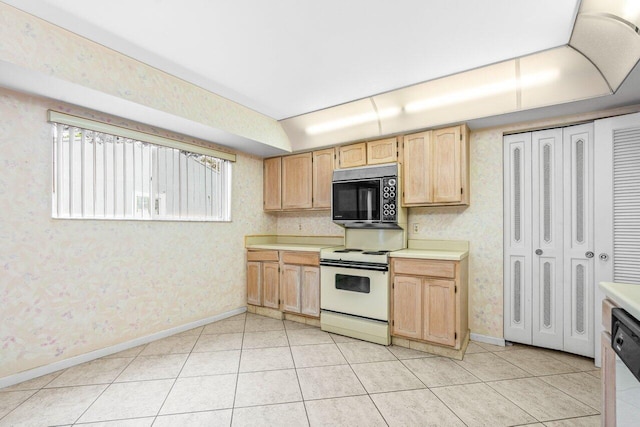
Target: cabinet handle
589, 254
538, 251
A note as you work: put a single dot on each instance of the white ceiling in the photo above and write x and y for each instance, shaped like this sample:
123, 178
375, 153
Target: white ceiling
284, 58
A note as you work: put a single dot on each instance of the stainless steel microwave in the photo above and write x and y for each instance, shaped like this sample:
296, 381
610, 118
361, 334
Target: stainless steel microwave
366, 197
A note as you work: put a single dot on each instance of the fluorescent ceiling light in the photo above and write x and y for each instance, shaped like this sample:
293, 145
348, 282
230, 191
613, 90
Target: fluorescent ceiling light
483, 91
352, 121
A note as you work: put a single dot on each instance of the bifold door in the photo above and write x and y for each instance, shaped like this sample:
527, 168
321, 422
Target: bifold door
548, 229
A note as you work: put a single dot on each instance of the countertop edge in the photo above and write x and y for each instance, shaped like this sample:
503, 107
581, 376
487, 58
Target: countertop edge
430, 254
625, 295
288, 247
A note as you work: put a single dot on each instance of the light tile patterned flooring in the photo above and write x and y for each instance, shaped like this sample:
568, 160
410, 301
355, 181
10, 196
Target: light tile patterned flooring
253, 370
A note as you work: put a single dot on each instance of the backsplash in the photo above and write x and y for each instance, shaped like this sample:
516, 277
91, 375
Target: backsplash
315, 223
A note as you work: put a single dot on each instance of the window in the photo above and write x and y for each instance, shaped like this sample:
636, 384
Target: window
107, 172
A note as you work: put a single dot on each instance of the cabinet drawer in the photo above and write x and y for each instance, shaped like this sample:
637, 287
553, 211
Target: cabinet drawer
425, 267
262, 256
303, 258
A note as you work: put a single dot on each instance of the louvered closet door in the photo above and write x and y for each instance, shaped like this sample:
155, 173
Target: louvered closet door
617, 211
547, 239
578, 240
517, 238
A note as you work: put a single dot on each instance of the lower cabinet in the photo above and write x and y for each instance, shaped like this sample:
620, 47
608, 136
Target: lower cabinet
608, 371
263, 278
430, 300
300, 285
284, 280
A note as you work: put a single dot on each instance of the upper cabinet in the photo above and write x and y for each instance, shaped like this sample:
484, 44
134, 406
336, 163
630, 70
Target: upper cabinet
382, 151
436, 167
299, 181
296, 181
272, 178
353, 155
435, 170
323, 165
368, 153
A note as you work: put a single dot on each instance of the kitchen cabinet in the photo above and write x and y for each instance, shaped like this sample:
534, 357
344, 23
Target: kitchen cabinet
352, 155
272, 177
299, 182
301, 283
263, 278
382, 151
287, 281
296, 181
323, 165
436, 167
429, 300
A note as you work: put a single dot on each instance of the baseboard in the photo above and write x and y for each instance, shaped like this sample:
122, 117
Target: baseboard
488, 340
87, 357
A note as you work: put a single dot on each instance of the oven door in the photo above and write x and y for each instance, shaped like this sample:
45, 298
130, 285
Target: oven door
355, 291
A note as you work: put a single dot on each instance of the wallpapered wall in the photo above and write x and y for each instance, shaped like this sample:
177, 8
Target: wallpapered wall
34, 44
68, 287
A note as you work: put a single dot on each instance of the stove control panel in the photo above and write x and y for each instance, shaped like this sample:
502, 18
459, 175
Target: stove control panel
389, 199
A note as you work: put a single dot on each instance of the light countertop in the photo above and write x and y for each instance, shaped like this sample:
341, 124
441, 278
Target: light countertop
290, 247
448, 250
626, 295
292, 243
447, 255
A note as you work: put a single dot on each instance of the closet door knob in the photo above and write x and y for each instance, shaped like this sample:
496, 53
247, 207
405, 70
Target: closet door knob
538, 251
589, 254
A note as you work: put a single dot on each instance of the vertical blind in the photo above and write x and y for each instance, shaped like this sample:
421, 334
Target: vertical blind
106, 176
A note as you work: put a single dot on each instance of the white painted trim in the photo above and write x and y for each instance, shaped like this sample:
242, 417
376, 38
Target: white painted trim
488, 340
87, 357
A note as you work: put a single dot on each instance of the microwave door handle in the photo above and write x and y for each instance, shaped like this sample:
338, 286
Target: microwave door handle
369, 204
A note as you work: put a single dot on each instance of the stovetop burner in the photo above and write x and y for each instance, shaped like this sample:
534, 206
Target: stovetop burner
375, 252
342, 251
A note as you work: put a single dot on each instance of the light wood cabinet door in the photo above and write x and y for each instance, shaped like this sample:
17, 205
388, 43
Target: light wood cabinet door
382, 151
416, 178
310, 278
352, 155
407, 306
439, 305
296, 181
446, 164
254, 283
272, 177
323, 165
291, 290
270, 284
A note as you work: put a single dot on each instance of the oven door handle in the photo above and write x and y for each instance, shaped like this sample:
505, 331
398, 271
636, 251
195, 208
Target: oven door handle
354, 265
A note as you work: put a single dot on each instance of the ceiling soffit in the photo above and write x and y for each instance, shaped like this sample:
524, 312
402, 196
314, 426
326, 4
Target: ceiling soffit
603, 49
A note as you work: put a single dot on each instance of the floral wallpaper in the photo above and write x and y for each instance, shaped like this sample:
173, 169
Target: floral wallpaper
69, 287
35, 44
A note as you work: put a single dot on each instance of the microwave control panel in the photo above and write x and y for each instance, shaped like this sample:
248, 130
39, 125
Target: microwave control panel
389, 199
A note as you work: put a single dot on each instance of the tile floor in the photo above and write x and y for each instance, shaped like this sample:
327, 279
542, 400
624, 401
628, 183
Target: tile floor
252, 370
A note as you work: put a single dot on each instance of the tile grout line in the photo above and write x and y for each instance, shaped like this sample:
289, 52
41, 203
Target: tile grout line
295, 368
360, 381
176, 379
35, 391
235, 391
429, 388
108, 385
